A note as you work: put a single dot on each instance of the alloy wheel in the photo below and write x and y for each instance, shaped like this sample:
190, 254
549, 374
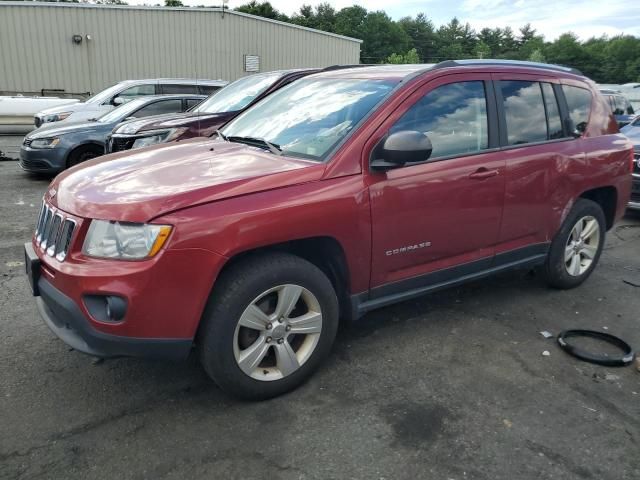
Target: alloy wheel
278, 332
582, 246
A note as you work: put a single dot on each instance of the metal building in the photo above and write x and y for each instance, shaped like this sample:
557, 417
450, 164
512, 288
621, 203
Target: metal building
81, 48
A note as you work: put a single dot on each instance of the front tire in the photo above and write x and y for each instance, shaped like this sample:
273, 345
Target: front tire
269, 323
577, 246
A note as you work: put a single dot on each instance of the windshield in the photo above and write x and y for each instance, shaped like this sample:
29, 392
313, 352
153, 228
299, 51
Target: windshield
104, 95
238, 94
123, 111
308, 117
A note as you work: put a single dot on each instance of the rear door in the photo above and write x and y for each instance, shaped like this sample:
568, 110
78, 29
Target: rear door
535, 147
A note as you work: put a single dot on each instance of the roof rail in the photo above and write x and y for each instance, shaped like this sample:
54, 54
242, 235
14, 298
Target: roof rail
341, 67
515, 63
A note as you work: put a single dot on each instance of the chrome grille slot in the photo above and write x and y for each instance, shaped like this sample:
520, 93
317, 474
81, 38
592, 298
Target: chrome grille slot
54, 234
46, 228
64, 239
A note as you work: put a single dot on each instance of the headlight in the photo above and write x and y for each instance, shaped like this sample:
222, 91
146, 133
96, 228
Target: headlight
124, 241
157, 136
44, 142
56, 117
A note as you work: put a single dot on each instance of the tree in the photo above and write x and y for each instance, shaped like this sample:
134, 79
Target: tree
537, 56
410, 57
381, 37
422, 34
173, 3
263, 9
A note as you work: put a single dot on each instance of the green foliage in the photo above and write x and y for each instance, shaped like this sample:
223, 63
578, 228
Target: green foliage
410, 57
173, 3
537, 56
261, 9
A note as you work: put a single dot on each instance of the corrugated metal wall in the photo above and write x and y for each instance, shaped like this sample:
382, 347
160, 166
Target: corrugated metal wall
37, 51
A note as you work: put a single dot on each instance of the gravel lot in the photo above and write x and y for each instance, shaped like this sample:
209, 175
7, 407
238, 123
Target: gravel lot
451, 386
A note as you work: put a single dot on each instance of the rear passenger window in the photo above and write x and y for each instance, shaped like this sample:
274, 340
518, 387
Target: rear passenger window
579, 103
524, 112
554, 121
178, 88
453, 116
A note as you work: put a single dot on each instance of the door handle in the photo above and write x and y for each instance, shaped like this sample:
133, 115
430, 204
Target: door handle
483, 173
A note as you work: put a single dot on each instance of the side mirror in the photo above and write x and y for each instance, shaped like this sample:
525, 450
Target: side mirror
117, 101
400, 148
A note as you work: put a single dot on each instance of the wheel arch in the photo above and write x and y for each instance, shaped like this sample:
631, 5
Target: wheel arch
91, 144
325, 252
607, 198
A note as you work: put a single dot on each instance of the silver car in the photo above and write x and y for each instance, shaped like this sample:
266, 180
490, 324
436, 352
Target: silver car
121, 93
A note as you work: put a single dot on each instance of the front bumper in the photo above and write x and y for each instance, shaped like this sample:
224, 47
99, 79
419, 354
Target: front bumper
65, 318
67, 321
45, 160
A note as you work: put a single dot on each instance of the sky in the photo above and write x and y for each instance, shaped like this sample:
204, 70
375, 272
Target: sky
586, 18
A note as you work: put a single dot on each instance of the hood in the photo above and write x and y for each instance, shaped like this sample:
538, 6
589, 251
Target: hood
175, 120
73, 107
58, 128
137, 187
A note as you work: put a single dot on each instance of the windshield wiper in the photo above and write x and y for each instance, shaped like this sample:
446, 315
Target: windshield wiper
259, 142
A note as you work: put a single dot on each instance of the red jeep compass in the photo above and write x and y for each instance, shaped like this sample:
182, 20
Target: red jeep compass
339, 193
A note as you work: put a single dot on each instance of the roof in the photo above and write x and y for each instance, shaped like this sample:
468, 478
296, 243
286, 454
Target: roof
189, 81
401, 72
172, 9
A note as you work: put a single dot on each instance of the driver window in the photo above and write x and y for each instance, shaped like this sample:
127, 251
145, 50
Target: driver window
453, 116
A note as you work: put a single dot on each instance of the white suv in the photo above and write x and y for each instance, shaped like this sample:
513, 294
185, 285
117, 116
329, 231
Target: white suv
122, 92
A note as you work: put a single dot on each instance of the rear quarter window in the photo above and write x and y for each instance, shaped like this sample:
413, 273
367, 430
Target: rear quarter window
579, 104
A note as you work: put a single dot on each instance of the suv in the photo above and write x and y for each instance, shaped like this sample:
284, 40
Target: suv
121, 93
620, 105
207, 117
342, 192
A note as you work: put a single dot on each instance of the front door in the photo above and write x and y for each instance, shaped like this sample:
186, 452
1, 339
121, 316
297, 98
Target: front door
446, 211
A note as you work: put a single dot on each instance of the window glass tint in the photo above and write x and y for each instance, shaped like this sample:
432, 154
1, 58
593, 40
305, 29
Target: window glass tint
554, 121
453, 116
169, 89
579, 103
138, 91
524, 112
192, 102
158, 108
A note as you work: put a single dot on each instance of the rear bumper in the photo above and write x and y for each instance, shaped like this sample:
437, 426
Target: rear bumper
63, 316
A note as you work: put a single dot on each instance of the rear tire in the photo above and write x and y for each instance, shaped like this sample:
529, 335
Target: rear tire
269, 323
577, 246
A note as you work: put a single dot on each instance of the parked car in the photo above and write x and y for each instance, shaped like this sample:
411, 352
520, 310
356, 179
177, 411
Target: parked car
54, 147
620, 105
632, 131
340, 193
207, 117
17, 111
123, 92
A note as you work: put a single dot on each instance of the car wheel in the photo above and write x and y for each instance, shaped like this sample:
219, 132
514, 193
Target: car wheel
83, 154
269, 323
576, 248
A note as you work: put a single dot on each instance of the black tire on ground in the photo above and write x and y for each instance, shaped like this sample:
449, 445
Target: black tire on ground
233, 292
82, 154
555, 270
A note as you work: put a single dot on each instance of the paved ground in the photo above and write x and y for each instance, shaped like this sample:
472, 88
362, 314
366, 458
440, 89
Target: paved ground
452, 386
10, 146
